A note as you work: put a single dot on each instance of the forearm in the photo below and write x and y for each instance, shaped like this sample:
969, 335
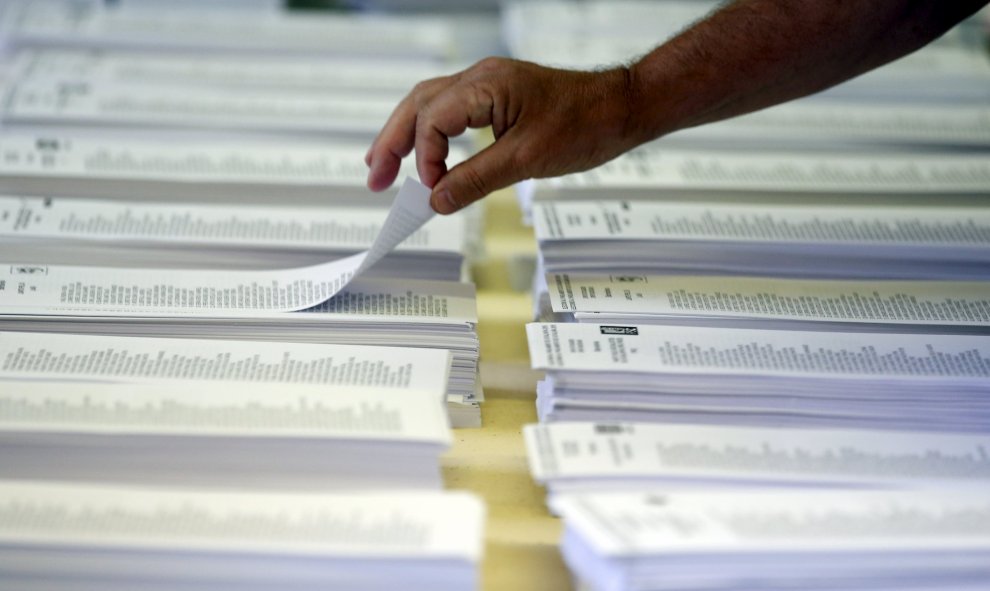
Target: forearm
756, 53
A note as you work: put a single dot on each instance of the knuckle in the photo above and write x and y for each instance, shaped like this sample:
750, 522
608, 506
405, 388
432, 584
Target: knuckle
423, 91
424, 127
420, 88
490, 65
473, 97
430, 148
425, 86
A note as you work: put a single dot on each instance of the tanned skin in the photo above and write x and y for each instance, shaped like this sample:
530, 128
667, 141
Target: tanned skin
548, 122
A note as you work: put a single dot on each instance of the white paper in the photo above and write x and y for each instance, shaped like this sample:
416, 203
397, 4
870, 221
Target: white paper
809, 120
297, 73
771, 299
50, 101
637, 524
662, 168
670, 454
860, 225
195, 224
31, 291
27, 153
710, 351
400, 524
67, 356
93, 24
223, 409
164, 290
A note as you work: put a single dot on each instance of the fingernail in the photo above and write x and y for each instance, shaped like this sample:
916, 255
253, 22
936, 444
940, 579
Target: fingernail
443, 202
367, 157
372, 174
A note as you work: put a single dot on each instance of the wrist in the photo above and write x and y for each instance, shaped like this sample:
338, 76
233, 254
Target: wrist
655, 103
620, 109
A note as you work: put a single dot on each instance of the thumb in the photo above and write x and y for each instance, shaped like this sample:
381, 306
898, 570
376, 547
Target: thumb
493, 168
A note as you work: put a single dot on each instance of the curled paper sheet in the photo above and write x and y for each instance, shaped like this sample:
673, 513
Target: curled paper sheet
185, 291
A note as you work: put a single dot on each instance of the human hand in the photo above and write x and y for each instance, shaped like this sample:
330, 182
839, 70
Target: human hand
546, 122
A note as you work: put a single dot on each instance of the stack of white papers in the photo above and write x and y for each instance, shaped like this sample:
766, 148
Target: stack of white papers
938, 73
55, 356
77, 357
656, 171
54, 101
240, 306
833, 241
270, 94
60, 536
587, 457
750, 377
754, 302
68, 23
75, 231
261, 304
227, 71
814, 123
224, 434
55, 297
173, 167
827, 541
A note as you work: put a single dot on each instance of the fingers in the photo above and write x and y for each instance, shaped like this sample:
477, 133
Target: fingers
396, 139
449, 114
437, 110
495, 167
393, 143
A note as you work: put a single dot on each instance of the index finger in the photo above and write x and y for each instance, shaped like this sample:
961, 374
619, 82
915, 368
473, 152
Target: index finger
396, 139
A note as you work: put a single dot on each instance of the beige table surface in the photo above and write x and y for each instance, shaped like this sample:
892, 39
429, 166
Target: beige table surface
521, 537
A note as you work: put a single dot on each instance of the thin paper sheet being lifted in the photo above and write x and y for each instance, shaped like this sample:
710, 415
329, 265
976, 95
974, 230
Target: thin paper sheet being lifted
190, 291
